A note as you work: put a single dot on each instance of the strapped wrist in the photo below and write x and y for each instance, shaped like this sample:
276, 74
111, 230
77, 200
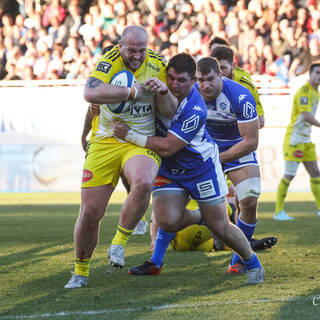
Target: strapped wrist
133, 92
136, 138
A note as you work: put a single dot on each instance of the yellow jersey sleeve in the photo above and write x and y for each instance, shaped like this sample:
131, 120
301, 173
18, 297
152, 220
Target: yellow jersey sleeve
246, 82
108, 65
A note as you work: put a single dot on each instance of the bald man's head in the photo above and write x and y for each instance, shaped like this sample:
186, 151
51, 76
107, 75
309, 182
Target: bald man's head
134, 32
133, 46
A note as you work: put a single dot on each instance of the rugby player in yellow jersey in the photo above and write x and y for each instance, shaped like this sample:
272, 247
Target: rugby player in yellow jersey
239, 75
297, 146
108, 157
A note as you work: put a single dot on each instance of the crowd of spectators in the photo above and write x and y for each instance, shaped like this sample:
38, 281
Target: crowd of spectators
63, 39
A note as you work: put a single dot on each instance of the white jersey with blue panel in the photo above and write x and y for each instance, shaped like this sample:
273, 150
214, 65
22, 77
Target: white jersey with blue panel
235, 104
196, 168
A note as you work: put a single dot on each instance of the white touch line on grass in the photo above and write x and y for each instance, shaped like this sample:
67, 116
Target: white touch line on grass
151, 308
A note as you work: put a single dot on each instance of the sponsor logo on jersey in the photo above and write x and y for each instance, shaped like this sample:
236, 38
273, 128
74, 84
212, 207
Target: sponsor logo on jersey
104, 66
179, 172
196, 241
154, 155
298, 154
304, 100
138, 111
161, 181
196, 108
241, 97
86, 175
206, 188
190, 124
153, 67
248, 110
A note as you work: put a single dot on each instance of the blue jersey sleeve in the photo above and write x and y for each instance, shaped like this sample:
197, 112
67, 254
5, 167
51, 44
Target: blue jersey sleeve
188, 121
245, 106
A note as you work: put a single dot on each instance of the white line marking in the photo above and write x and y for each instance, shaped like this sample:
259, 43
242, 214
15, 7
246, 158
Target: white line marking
151, 308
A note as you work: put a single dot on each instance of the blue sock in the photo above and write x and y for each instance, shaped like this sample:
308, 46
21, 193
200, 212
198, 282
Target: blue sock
248, 230
252, 263
160, 248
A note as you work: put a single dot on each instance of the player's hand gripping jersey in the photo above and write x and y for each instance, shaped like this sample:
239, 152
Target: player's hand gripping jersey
138, 115
306, 99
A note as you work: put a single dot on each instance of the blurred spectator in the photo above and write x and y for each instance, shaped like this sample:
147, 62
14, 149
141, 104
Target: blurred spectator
68, 34
72, 21
277, 43
303, 61
53, 10
254, 62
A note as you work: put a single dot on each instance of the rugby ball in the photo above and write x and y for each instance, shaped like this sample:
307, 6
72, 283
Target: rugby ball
121, 79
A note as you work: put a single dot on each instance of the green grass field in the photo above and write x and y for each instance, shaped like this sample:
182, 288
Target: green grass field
36, 256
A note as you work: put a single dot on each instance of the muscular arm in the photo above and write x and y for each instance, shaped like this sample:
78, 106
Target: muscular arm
165, 146
307, 116
98, 92
167, 104
249, 131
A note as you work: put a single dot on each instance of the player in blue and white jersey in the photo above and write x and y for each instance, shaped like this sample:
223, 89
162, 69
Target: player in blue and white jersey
190, 167
233, 124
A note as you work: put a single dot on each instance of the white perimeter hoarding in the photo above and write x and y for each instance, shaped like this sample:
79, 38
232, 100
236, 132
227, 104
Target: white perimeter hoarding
41, 126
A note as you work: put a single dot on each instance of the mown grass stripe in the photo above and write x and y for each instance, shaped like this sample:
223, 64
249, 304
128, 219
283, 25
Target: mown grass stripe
154, 308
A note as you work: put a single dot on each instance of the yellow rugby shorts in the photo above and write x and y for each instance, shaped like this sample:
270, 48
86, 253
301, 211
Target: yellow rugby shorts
300, 153
105, 160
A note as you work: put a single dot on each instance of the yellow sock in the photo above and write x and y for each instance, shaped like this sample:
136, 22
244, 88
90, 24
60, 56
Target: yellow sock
315, 188
281, 194
122, 236
81, 267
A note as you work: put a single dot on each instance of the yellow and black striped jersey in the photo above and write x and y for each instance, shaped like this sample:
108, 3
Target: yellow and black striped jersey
306, 99
243, 77
139, 115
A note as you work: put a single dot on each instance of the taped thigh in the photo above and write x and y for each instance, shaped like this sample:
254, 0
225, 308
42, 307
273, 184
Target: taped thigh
248, 188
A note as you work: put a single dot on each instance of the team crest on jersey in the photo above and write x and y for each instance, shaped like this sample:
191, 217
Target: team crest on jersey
304, 100
190, 124
241, 97
223, 106
104, 66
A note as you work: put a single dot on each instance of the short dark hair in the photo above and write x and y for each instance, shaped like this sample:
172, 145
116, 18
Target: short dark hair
205, 65
183, 62
314, 65
218, 40
223, 53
